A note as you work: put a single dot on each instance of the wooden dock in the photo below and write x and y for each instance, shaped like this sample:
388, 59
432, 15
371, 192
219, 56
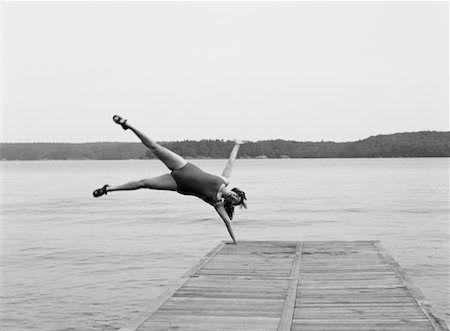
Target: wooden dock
281, 286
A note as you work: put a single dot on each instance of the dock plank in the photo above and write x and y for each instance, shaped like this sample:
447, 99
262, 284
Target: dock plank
291, 286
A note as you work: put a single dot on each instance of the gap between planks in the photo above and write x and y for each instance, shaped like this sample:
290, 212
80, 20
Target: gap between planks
289, 304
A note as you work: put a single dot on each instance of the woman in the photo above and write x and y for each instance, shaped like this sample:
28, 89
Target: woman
186, 178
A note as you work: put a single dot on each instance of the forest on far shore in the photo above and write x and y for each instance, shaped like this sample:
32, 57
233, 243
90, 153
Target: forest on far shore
408, 144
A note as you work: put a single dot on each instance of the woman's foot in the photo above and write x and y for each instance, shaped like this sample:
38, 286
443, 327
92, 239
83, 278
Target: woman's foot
101, 191
119, 120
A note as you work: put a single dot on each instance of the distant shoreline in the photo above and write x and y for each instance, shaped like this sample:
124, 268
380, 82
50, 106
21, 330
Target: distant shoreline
240, 158
397, 145
298, 158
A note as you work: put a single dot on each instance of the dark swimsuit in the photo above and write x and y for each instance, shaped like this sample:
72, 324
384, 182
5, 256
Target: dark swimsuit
193, 181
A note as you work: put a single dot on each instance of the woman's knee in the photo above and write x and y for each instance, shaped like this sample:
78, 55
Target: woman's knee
141, 184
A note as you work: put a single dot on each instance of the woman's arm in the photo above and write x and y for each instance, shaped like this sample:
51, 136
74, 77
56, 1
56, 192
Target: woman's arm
223, 214
229, 167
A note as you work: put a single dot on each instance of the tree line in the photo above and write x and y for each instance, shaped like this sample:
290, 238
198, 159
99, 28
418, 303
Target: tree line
408, 144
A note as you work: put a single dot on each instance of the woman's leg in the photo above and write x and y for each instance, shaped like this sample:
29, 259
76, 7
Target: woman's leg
164, 182
172, 160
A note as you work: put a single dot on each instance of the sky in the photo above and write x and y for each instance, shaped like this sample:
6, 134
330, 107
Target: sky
304, 71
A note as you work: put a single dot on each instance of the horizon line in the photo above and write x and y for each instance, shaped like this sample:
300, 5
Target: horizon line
224, 140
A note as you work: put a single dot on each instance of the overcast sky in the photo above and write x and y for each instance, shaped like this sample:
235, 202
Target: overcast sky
303, 71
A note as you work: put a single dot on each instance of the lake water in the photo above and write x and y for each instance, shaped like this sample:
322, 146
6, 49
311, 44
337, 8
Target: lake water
72, 262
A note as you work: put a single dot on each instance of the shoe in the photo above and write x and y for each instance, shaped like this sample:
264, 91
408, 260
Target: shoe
119, 120
100, 191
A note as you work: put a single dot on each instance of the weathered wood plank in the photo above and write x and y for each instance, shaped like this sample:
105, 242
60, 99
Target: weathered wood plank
153, 306
352, 325
209, 323
289, 304
291, 286
437, 322
345, 287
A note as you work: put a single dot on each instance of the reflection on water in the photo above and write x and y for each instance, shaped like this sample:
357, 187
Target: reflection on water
72, 262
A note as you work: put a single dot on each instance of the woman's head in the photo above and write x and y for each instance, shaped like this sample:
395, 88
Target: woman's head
235, 197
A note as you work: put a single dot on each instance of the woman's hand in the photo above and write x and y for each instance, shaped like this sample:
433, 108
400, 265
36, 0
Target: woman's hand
224, 216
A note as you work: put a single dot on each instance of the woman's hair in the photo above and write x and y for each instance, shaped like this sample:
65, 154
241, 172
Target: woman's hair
229, 207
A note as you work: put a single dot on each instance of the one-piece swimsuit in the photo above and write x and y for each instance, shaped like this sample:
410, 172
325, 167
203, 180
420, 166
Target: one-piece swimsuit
191, 180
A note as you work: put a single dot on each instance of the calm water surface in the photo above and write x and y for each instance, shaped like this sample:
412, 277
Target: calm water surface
72, 262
